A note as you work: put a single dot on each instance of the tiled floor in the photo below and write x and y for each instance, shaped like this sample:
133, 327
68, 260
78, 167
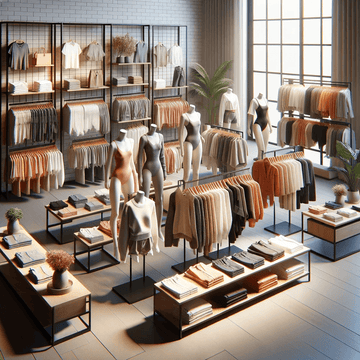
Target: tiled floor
316, 320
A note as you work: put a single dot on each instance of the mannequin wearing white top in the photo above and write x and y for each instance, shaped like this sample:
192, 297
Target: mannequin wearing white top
191, 146
154, 169
229, 110
123, 179
262, 125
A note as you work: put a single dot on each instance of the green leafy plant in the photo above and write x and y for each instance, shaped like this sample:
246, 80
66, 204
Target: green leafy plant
351, 160
59, 260
210, 88
14, 214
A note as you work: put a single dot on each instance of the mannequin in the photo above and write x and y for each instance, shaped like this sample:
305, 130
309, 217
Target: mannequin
191, 146
229, 111
123, 179
154, 169
262, 125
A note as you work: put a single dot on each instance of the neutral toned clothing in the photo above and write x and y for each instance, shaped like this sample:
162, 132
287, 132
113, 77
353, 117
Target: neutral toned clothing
94, 52
71, 51
160, 55
175, 55
229, 101
141, 52
19, 55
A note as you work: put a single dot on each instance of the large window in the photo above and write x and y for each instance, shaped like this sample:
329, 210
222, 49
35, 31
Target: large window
291, 39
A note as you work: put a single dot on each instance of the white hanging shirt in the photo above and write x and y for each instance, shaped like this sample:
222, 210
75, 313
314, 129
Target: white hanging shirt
175, 55
71, 51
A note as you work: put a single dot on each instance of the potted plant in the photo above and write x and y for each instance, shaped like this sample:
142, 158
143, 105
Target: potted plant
13, 216
340, 192
124, 45
210, 88
60, 261
351, 171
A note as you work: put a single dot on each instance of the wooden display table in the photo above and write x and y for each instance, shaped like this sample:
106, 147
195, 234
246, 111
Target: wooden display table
93, 247
47, 310
170, 307
81, 213
333, 240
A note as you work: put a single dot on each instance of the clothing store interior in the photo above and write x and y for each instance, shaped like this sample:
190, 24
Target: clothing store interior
180, 179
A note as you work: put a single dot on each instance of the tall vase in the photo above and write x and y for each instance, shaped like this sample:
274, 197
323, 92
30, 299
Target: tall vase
13, 227
340, 199
60, 279
353, 197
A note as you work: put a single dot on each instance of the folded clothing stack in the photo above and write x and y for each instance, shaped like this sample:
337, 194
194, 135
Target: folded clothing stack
103, 195
249, 260
17, 240
93, 205
267, 251
105, 227
66, 212
71, 84
42, 85
227, 266
57, 205
204, 275
333, 205
18, 87
195, 310
119, 81
317, 209
92, 235
290, 246
31, 257
261, 282
333, 217
77, 200
135, 80
179, 287
41, 274
232, 297
347, 212
289, 269
159, 83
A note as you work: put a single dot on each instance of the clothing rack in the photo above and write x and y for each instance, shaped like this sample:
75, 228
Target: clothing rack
240, 132
284, 228
183, 266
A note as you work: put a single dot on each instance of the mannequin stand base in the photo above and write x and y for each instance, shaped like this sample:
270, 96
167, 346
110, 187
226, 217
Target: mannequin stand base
136, 290
283, 228
223, 252
182, 267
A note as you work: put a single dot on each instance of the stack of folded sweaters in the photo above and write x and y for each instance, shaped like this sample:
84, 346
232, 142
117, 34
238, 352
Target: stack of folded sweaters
135, 80
92, 235
204, 275
57, 205
42, 86
195, 310
93, 205
105, 227
261, 282
17, 240
41, 274
232, 297
18, 87
31, 257
249, 260
227, 266
179, 287
119, 81
103, 195
77, 201
290, 246
290, 269
72, 84
267, 251
66, 212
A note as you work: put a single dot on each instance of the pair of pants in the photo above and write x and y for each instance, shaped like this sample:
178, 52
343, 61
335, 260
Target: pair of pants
179, 76
230, 117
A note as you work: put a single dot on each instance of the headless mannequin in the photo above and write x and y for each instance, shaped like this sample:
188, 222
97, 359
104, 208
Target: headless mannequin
149, 171
232, 115
117, 185
191, 146
262, 129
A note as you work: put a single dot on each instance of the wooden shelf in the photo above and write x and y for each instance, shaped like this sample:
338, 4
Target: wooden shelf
172, 87
42, 65
33, 93
127, 85
88, 89
129, 121
127, 64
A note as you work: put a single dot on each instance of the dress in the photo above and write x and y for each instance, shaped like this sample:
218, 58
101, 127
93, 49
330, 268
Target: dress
154, 155
122, 169
193, 132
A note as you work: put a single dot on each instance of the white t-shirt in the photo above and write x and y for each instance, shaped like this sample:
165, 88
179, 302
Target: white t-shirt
71, 51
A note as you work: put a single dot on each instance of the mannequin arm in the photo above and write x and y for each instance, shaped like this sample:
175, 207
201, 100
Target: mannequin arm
269, 121
133, 168
249, 123
108, 165
162, 156
181, 134
140, 159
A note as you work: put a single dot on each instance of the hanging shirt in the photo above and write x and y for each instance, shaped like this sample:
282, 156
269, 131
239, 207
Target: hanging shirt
175, 55
160, 55
94, 52
19, 56
141, 52
71, 51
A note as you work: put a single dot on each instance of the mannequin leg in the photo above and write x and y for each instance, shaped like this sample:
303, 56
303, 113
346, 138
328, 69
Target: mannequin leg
266, 136
128, 189
188, 149
197, 153
115, 191
227, 125
158, 182
146, 182
259, 140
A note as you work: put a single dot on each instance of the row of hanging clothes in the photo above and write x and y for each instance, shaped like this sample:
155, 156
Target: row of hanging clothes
37, 123
88, 155
317, 101
173, 158
290, 177
167, 112
209, 214
135, 132
307, 133
224, 149
131, 108
80, 118
36, 168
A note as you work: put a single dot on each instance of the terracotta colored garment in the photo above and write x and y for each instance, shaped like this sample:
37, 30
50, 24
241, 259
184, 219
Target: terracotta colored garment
122, 169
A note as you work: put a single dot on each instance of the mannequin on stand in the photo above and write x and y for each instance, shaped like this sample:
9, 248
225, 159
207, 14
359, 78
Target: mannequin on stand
154, 169
229, 110
122, 180
191, 146
262, 125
